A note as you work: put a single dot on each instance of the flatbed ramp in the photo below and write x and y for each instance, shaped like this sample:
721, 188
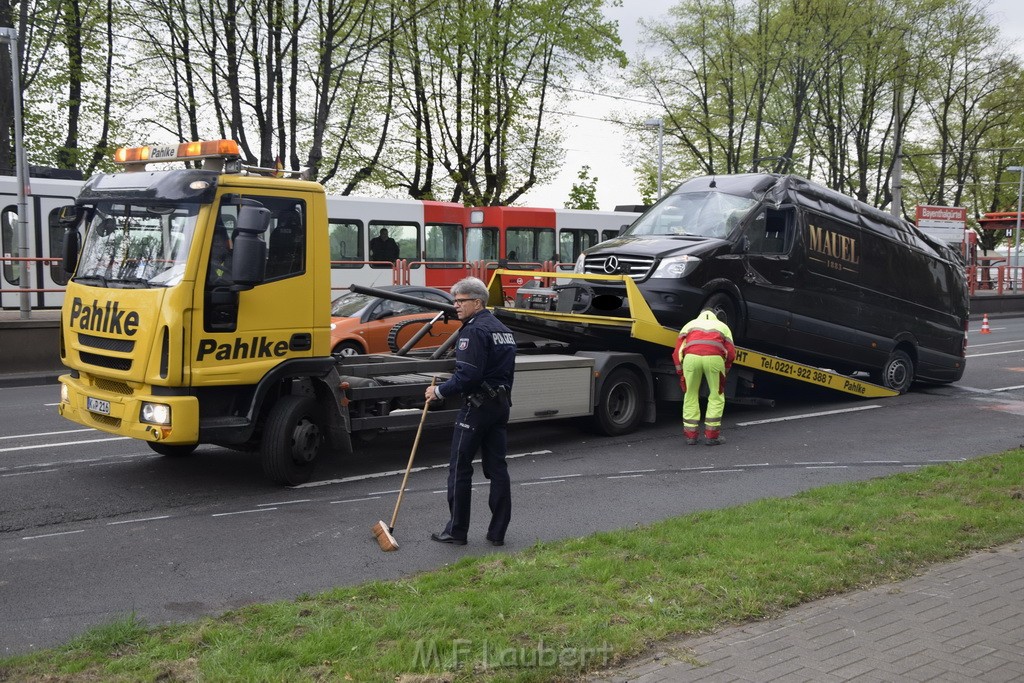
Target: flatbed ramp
640, 331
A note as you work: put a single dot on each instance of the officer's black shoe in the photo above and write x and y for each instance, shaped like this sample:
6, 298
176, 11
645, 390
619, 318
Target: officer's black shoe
494, 541
445, 537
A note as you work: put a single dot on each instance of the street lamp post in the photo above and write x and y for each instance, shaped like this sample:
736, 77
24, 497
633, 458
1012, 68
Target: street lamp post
660, 125
10, 37
1020, 197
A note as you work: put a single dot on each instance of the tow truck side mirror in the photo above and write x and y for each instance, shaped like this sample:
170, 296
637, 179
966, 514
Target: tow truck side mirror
69, 217
249, 260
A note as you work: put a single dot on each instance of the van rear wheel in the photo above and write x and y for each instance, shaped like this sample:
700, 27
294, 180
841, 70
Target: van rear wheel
898, 372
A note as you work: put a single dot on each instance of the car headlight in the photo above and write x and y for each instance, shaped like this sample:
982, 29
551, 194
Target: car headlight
578, 268
676, 266
155, 414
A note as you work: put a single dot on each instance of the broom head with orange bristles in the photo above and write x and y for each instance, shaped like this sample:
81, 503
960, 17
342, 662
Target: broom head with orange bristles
385, 540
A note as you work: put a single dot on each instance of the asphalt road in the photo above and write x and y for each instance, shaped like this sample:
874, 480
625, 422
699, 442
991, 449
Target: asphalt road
93, 527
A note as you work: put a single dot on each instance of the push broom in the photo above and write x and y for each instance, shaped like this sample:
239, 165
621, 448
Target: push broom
384, 533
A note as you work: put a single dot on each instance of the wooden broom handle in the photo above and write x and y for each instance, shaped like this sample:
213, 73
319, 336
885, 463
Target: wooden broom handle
408, 468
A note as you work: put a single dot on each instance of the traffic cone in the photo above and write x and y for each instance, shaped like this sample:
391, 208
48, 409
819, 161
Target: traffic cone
984, 324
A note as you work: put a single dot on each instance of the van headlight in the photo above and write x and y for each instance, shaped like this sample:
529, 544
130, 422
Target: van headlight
676, 266
578, 268
155, 414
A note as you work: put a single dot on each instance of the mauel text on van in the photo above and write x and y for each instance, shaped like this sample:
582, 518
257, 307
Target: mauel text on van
831, 243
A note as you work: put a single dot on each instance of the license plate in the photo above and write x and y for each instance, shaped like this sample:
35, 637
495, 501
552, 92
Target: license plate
96, 405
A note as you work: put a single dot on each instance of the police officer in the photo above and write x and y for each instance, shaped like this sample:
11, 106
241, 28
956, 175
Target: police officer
704, 351
485, 358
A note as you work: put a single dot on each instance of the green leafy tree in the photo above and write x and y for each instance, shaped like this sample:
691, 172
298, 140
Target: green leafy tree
583, 194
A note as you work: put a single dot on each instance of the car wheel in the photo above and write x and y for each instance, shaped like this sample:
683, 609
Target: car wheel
292, 440
726, 309
898, 372
347, 348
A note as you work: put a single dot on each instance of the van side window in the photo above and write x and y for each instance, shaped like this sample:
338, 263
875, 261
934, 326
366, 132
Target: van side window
770, 232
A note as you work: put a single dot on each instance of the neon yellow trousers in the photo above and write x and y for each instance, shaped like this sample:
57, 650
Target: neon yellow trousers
712, 370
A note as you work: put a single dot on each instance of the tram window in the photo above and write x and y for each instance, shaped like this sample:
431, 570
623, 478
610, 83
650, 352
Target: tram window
530, 245
56, 234
9, 243
572, 242
481, 244
444, 243
346, 237
405, 234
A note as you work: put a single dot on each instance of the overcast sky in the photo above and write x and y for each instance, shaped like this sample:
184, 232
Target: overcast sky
594, 141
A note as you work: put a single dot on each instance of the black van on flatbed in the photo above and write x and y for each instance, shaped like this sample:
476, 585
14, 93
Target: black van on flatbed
800, 270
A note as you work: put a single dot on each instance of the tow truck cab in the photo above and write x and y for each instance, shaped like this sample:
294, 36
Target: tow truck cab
195, 294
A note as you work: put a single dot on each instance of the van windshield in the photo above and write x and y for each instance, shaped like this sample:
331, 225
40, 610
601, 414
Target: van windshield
703, 214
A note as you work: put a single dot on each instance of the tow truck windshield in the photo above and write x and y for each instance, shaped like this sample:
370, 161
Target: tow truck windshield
699, 214
137, 246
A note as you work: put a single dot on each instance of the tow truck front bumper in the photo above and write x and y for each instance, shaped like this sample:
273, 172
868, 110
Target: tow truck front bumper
118, 408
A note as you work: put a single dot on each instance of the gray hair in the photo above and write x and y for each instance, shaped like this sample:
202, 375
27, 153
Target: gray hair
472, 288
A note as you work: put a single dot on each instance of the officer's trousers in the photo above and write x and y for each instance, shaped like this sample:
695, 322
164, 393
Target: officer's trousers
480, 429
711, 369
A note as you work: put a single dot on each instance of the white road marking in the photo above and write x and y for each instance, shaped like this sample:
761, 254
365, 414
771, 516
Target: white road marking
803, 416
354, 500
65, 443
240, 512
719, 471
538, 483
285, 502
21, 474
59, 533
137, 521
625, 476
994, 353
391, 473
66, 431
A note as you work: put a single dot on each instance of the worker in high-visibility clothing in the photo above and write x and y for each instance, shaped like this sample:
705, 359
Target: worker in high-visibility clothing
705, 351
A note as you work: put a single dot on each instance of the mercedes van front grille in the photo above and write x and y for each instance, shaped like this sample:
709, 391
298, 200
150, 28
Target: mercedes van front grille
637, 267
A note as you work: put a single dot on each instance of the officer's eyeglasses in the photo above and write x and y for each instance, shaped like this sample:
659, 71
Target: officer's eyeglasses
462, 301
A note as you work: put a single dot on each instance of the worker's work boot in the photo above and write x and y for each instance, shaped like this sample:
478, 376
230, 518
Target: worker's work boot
691, 437
713, 438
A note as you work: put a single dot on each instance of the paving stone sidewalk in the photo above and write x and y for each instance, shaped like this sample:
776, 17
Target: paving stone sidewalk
962, 621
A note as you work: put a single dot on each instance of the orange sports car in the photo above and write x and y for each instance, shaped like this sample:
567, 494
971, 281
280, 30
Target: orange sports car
362, 323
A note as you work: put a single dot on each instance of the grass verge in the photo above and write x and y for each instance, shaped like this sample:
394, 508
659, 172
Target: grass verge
557, 610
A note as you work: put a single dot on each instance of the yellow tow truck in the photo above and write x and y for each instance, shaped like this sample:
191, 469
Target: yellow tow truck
199, 313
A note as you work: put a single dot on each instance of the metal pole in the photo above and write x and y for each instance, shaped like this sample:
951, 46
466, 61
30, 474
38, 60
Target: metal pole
1016, 249
10, 36
660, 123
660, 157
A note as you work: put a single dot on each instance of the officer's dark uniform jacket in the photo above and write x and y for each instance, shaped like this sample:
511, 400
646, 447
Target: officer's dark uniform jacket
485, 353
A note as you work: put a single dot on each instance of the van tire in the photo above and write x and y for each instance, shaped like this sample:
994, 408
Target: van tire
726, 309
292, 440
898, 372
620, 404
173, 450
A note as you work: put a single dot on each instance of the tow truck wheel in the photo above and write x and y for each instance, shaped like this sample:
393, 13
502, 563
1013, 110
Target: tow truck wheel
173, 450
898, 373
291, 440
619, 406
